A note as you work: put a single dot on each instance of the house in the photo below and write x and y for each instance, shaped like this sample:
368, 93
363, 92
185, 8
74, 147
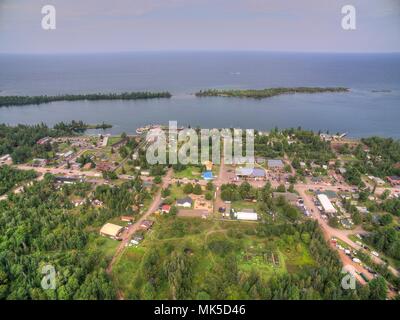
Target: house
146, 224
165, 208
186, 202
6, 159
111, 230
246, 214
137, 239
43, 140
145, 173
394, 180
87, 166
127, 218
67, 180
275, 164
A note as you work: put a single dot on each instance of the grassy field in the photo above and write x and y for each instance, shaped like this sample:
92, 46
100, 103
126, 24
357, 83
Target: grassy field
240, 205
209, 246
190, 172
176, 192
112, 140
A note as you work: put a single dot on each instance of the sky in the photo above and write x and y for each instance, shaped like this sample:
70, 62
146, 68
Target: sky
84, 26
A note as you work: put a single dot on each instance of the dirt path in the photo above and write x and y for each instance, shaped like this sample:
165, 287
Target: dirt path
126, 236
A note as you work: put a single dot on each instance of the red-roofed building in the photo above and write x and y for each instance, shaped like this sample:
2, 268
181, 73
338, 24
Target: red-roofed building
165, 208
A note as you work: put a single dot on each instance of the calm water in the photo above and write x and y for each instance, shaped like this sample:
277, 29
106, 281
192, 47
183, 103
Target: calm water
360, 113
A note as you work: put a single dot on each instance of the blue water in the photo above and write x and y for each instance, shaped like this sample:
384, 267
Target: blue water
360, 112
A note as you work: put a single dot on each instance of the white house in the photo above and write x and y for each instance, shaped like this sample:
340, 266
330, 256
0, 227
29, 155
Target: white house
185, 202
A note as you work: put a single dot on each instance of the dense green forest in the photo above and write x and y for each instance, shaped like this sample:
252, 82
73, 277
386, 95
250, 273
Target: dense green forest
26, 100
376, 156
41, 226
266, 93
9, 177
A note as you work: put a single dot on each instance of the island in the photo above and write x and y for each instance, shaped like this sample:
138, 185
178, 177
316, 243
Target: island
6, 101
267, 92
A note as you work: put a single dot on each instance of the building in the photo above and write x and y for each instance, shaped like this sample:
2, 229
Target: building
208, 175
146, 224
394, 180
186, 202
111, 230
137, 239
87, 166
67, 180
6, 159
165, 208
377, 180
275, 164
43, 140
39, 162
246, 214
290, 197
68, 154
326, 204
253, 173
127, 218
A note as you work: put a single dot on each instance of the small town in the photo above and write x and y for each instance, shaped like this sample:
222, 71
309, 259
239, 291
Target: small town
298, 177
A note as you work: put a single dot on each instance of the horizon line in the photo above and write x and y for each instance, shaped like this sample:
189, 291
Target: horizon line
194, 51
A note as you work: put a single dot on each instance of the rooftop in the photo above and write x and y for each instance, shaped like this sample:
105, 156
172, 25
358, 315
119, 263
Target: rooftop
275, 163
111, 229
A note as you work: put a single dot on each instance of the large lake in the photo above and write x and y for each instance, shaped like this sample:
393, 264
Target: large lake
362, 112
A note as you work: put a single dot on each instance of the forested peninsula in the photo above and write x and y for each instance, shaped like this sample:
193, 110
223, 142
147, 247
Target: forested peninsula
28, 100
267, 93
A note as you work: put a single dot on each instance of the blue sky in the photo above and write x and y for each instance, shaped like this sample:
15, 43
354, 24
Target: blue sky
132, 25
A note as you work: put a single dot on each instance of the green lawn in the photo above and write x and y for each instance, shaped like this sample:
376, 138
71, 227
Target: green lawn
112, 140
190, 172
240, 205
